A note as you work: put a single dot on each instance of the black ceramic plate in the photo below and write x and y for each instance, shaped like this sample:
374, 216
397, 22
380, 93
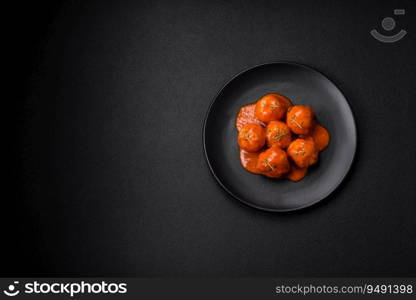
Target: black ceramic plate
303, 85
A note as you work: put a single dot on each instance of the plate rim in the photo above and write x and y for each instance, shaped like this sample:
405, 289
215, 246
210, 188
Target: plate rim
233, 195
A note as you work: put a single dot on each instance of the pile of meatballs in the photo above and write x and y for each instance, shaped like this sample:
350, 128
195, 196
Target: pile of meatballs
278, 139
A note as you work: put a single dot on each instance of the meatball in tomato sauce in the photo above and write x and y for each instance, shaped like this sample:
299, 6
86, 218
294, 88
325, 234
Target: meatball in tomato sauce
271, 107
300, 119
273, 163
278, 134
252, 137
303, 152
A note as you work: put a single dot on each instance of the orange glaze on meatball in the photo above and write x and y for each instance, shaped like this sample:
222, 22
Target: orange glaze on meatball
303, 152
278, 134
273, 163
252, 137
300, 119
271, 107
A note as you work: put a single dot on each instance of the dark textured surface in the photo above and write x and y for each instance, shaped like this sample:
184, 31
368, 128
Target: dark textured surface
302, 85
111, 177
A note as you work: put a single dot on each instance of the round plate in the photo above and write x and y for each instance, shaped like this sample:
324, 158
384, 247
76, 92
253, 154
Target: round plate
302, 85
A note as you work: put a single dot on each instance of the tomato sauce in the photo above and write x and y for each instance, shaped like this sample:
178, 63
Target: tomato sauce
249, 161
246, 116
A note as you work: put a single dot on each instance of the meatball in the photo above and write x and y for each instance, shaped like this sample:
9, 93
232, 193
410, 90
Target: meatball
271, 107
273, 163
278, 134
252, 137
296, 173
320, 136
300, 119
303, 152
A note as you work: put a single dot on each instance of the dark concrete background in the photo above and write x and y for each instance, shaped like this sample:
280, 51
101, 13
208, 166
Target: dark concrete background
109, 177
